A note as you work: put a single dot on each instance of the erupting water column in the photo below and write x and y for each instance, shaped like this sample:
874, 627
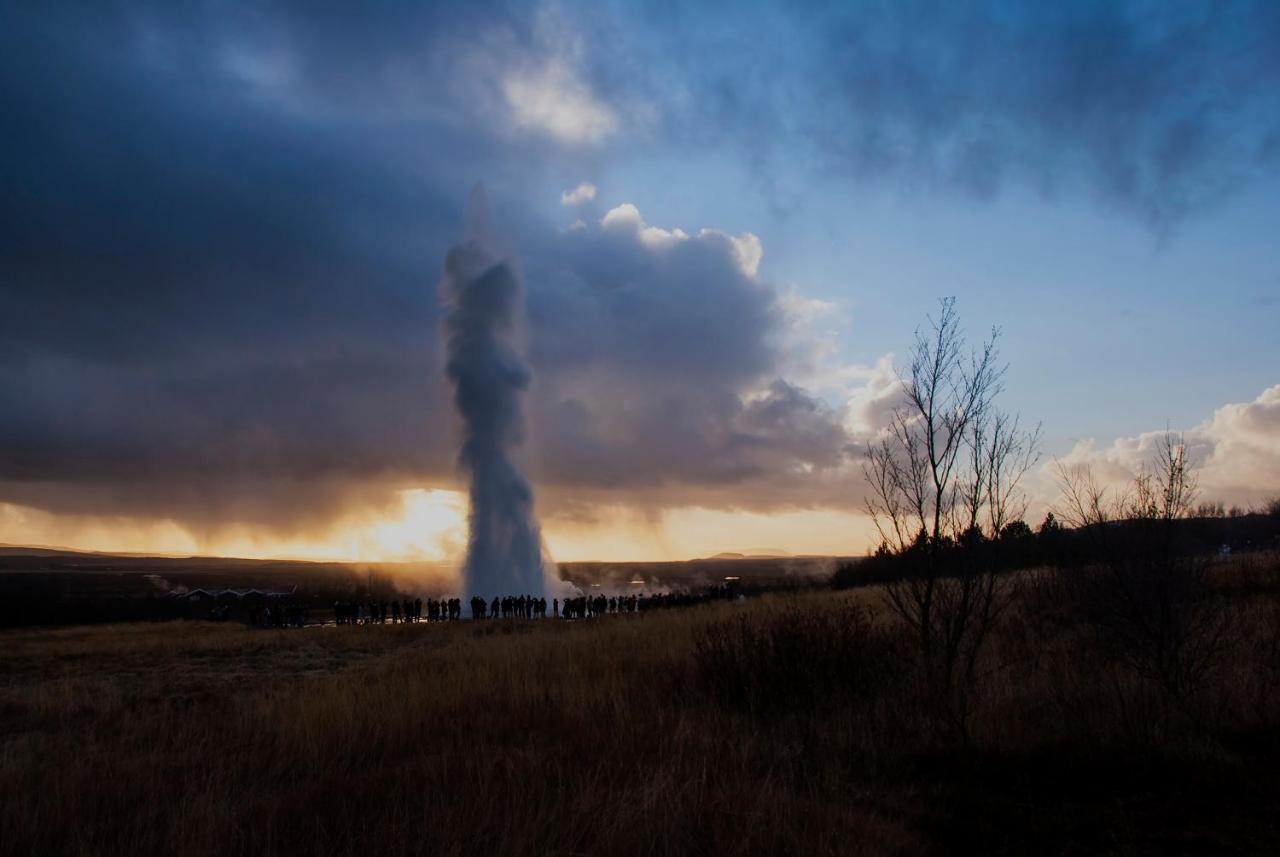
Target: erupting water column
483, 302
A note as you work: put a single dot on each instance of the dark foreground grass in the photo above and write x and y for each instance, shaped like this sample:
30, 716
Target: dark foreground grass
789, 725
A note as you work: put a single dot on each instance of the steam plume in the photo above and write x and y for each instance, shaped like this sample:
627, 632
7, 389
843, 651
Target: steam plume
482, 299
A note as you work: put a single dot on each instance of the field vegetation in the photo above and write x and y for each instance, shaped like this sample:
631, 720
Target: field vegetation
800, 723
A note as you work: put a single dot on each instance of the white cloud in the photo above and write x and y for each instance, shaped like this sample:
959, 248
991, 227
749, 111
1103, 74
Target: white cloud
584, 192
746, 248
552, 99
800, 310
1237, 451
876, 392
626, 218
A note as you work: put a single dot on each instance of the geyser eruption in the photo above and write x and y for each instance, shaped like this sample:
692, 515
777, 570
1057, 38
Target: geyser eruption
482, 300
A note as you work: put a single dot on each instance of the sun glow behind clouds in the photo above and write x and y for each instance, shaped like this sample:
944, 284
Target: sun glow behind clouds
430, 526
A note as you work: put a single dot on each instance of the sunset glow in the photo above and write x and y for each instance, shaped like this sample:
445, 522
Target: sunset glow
430, 526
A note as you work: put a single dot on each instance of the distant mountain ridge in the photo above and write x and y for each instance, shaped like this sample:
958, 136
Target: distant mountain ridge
54, 550
754, 553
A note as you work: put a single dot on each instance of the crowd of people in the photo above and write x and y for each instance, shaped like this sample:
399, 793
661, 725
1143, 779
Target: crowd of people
511, 607
272, 615
585, 607
404, 611
397, 611
382, 611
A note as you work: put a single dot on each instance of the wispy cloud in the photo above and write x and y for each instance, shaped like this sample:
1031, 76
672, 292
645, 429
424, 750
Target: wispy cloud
553, 99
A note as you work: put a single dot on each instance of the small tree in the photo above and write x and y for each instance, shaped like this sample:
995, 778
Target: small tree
1211, 510
1016, 531
945, 479
1146, 592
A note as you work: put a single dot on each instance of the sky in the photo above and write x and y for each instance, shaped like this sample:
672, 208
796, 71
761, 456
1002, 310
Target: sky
222, 231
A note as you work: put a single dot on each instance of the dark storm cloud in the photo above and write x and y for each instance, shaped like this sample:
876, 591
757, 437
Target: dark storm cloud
197, 288
218, 266
648, 342
1160, 108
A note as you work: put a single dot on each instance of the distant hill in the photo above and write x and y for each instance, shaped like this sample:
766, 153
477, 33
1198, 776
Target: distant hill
754, 553
52, 550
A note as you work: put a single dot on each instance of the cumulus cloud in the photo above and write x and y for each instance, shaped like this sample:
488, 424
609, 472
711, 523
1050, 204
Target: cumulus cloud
803, 310
626, 219
585, 192
746, 249
660, 354
1236, 452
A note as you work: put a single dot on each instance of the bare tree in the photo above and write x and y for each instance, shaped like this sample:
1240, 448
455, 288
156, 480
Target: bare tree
947, 472
1007, 456
1145, 593
1164, 489
914, 468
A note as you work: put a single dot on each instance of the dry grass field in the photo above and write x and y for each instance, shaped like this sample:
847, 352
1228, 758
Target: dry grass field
788, 724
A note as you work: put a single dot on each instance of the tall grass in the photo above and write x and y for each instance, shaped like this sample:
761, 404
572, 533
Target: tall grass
790, 725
